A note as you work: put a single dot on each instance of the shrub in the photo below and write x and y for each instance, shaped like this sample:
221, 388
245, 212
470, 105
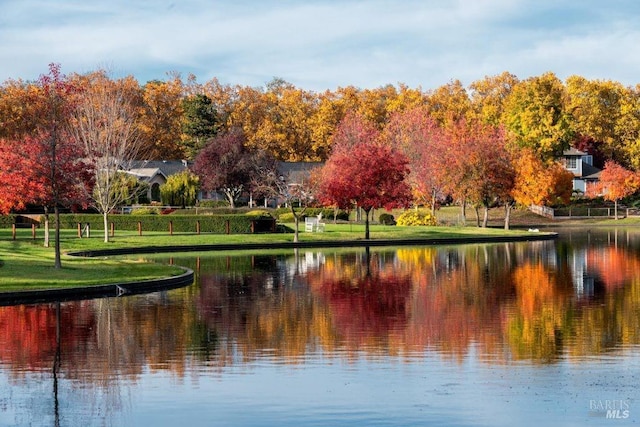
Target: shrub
386, 219
416, 217
259, 213
149, 210
213, 204
286, 217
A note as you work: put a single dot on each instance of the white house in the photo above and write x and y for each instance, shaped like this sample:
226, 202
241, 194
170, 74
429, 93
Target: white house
581, 165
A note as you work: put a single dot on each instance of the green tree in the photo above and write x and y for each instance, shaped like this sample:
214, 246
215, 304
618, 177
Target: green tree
181, 189
199, 123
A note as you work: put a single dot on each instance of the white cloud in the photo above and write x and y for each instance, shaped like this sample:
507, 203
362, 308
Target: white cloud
321, 44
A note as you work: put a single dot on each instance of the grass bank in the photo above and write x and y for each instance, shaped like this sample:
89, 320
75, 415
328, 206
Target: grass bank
26, 265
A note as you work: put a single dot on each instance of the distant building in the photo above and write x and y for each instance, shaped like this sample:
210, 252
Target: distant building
297, 172
581, 165
155, 173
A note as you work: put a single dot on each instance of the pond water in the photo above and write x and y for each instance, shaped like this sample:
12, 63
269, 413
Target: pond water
461, 335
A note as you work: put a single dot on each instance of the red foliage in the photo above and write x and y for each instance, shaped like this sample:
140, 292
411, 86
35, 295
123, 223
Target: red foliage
423, 141
364, 172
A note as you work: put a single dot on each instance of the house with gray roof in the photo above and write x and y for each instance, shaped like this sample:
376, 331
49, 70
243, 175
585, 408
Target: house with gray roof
155, 173
581, 165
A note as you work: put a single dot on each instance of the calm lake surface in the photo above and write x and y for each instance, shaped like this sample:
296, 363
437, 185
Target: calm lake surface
464, 335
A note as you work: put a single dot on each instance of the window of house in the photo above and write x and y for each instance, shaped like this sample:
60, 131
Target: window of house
572, 162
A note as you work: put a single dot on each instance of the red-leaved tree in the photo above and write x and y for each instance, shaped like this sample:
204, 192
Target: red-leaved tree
423, 141
480, 168
42, 165
363, 171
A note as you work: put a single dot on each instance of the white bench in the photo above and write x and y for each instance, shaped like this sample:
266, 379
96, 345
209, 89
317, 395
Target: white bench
312, 224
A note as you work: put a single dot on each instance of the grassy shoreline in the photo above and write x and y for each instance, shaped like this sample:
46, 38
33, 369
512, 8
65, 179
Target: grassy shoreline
26, 265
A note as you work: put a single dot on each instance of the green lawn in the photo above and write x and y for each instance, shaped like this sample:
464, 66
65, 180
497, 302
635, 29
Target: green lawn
26, 264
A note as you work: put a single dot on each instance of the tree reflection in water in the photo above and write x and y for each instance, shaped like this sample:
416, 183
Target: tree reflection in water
539, 302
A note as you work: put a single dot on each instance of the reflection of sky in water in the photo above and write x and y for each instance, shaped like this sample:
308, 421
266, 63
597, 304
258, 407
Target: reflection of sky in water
465, 335
385, 391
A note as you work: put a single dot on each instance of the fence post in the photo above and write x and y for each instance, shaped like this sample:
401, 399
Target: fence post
171, 228
13, 231
227, 227
79, 230
113, 229
139, 228
198, 227
33, 231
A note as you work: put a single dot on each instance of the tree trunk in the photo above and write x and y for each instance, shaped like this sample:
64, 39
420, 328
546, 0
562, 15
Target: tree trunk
46, 227
475, 208
366, 223
463, 206
433, 203
106, 227
230, 199
507, 216
296, 221
58, 261
485, 219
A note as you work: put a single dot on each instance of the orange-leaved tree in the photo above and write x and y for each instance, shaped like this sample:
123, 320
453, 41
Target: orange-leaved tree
616, 182
540, 183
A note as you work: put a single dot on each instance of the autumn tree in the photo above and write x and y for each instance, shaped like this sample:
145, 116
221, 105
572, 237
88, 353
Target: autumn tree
422, 140
181, 189
46, 166
160, 123
448, 104
628, 126
104, 119
540, 183
226, 165
480, 168
363, 171
536, 116
489, 95
595, 107
616, 182
297, 195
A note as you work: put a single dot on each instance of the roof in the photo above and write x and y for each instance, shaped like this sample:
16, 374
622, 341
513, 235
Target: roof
573, 152
146, 174
297, 171
590, 172
166, 167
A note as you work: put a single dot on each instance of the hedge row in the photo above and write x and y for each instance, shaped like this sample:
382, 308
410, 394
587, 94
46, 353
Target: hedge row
238, 224
6, 221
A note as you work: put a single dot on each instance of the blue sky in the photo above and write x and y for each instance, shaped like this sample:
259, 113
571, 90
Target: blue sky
323, 44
